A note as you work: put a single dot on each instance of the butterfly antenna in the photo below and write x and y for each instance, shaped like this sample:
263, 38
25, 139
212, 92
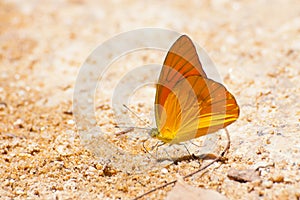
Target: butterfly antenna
129, 129
146, 123
133, 127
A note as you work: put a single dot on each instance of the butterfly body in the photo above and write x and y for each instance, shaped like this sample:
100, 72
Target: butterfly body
188, 104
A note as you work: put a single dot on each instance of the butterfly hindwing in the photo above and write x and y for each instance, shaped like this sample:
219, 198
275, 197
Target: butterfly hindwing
202, 107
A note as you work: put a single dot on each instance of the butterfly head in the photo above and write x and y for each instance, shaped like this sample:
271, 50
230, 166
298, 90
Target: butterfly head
154, 132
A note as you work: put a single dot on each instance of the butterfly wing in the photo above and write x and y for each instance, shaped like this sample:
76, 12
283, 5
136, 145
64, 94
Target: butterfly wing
188, 104
181, 61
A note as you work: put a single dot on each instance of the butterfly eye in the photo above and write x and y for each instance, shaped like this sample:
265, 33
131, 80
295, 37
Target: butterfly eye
154, 132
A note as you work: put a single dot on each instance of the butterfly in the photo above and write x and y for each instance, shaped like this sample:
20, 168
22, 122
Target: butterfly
188, 104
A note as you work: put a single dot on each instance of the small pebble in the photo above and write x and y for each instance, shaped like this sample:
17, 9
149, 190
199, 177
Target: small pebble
19, 191
267, 184
99, 166
71, 122
164, 171
277, 178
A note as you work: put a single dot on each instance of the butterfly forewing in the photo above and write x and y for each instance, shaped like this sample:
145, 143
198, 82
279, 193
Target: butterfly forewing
181, 61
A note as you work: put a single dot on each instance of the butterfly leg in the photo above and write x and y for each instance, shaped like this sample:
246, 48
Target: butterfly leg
155, 147
195, 144
158, 144
190, 155
145, 149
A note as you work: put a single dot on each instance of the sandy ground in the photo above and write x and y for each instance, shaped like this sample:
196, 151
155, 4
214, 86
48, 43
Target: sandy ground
254, 44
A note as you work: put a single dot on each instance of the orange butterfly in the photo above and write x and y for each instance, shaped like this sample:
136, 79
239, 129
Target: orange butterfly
188, 104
